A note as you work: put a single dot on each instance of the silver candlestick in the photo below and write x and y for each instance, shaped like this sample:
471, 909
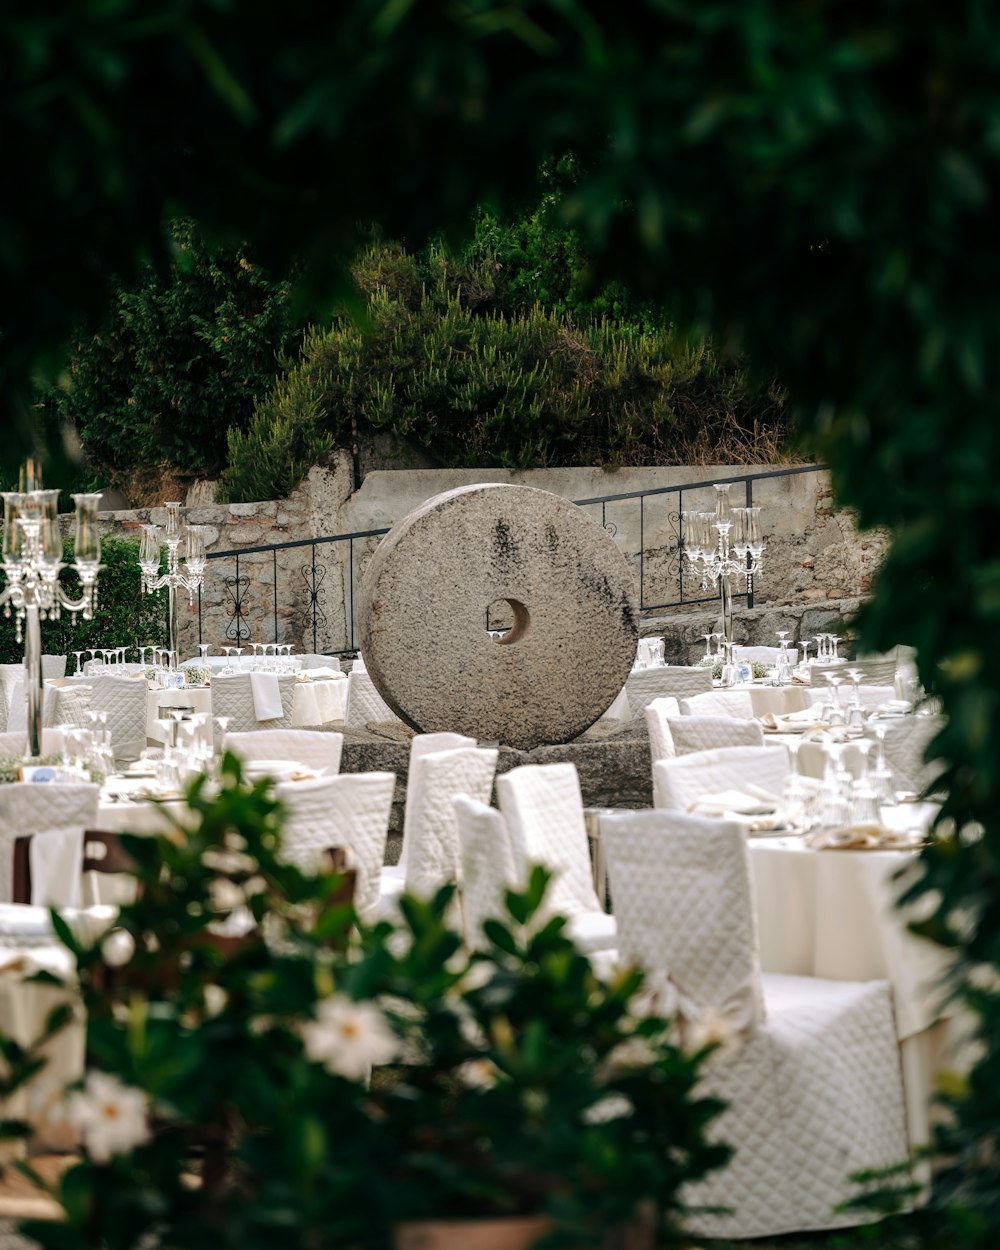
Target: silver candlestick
723, 545
183, 543
32, 562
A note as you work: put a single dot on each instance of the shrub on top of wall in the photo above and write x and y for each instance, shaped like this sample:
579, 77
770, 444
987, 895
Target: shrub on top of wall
487, 389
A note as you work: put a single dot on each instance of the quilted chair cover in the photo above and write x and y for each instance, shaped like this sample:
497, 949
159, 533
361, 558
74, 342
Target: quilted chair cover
350, 810
434, 857
48, 812
661, 744
393, 876
719, 703
488, 869
875, 672
680, 782
906, 740
811, 1073
872, 697
645, 684
15, 742
124, 700
543, 808
313, 660
232, 697
3, 712
311, 747
61, 705
53, 666
703, 733
365, 706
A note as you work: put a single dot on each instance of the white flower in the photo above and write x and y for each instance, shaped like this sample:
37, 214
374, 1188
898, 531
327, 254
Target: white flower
109, 1116
710, 1027
634, 1052
612, 1107
117, 948
477, 1074
349, 1038
225, 895
215, 1000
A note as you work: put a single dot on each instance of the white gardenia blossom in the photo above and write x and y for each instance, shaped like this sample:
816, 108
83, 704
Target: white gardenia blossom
348, 1038
110, 1117
611, 1107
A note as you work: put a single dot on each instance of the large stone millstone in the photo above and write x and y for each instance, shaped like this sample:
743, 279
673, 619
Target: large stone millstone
568, 590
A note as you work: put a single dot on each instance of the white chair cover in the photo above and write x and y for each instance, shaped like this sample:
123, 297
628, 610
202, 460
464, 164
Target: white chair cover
421, 745
311, 747
53, 666
906, 741
871, 697
645, 684
55, 816
434, 855
314, 660
15, 742
350, 810
703, 733
61, 705
365, 706
876, 672
124, 700
488, 869
232, 697
814, 1091
661, 743
734, 702
543, 808
680, 782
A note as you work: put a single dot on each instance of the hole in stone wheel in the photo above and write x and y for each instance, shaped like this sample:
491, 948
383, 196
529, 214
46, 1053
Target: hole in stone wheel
507, 620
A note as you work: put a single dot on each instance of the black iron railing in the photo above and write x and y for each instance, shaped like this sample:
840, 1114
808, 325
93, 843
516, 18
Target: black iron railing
312, 599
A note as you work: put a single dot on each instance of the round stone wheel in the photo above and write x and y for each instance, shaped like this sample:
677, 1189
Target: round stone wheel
567, 592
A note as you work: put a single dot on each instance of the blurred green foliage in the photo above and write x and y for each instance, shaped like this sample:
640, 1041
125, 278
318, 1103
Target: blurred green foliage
816, 183
179, 360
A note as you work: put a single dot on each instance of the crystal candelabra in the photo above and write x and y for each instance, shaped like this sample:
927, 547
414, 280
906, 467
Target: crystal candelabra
32, 561
189, 576
723, 545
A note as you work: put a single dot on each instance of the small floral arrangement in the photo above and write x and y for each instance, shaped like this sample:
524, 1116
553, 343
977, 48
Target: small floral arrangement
229, 1092
197, 675
757, 669
11, 765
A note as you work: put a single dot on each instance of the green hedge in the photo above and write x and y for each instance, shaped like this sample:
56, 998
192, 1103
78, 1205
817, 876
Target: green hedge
124, 614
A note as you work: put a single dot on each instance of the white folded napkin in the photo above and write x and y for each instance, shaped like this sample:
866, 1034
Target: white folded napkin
56, 867
311, 674
750, 801
266, 696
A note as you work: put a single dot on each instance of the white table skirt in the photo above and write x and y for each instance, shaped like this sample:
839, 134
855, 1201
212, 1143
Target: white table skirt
830, 914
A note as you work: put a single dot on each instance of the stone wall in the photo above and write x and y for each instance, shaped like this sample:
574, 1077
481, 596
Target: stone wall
813, 553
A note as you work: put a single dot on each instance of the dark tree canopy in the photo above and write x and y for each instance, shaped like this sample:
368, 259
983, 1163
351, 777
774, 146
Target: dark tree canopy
816, 181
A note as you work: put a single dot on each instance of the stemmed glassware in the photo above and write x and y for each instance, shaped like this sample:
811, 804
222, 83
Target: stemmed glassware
204, 648
882, 778
79, 666
228, 652
855, 709
708, 645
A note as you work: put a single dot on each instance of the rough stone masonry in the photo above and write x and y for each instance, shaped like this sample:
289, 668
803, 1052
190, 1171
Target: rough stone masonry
558, 575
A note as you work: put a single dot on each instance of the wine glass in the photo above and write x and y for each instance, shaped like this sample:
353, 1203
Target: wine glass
855, 709
221, 725
836, 711
708, 645
204, 648
882, 778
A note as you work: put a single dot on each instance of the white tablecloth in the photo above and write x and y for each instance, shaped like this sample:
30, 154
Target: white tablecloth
830, 914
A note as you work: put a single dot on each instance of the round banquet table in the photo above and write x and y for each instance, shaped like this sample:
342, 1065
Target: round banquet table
831, 914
